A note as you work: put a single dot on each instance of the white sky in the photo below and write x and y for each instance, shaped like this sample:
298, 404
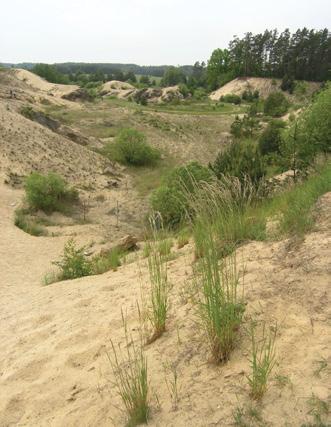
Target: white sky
142, 31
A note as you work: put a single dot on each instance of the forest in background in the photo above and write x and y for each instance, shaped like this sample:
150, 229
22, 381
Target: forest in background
302, 55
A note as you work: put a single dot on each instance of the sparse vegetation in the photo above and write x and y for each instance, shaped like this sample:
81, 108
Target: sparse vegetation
26, 223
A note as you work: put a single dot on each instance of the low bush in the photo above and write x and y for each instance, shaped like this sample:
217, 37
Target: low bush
170, 199
245, 127
271, 138
250, 96
288, 84
231, 99
49, 192
130, 147
73, 263
240, 159
276, 104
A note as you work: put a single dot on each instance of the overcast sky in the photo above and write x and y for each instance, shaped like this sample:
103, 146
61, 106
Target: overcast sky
142, 31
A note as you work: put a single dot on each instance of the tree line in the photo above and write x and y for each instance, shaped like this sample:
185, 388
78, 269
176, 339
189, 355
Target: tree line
302, 55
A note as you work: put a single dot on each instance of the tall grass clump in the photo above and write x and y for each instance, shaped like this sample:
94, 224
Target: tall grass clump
220, 307
295, 206
105, 262
159, 290
263, 359
130, 370
229, 208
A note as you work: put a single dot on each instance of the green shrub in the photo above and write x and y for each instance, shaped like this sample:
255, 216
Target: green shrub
244, 127
271, 138
184, 90
288, 84
130, 147
250, 96
200, 93
231, 99
170, 199
73, 263
48, 192
276, 104
28, 112
240, 159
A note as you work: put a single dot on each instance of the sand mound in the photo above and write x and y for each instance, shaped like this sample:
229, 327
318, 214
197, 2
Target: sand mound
26, 146
41, 84
123, 90
116, 88
265, 86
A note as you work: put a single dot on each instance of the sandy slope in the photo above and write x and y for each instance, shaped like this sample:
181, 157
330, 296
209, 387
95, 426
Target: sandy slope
41, 84
264, 85
53, 366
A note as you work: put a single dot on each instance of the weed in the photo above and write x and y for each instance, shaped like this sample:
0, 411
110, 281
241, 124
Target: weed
172, 383
130, 370
263, 360
319, 409
106, 262
321, 366
282, 380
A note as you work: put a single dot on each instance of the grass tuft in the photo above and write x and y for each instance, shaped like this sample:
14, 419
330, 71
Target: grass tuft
263, 360
130, 370
159, 291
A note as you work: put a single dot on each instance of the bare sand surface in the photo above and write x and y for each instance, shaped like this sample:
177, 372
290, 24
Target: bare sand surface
53, 365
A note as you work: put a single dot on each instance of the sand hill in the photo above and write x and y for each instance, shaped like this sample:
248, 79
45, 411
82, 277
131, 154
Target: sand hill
264, 85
